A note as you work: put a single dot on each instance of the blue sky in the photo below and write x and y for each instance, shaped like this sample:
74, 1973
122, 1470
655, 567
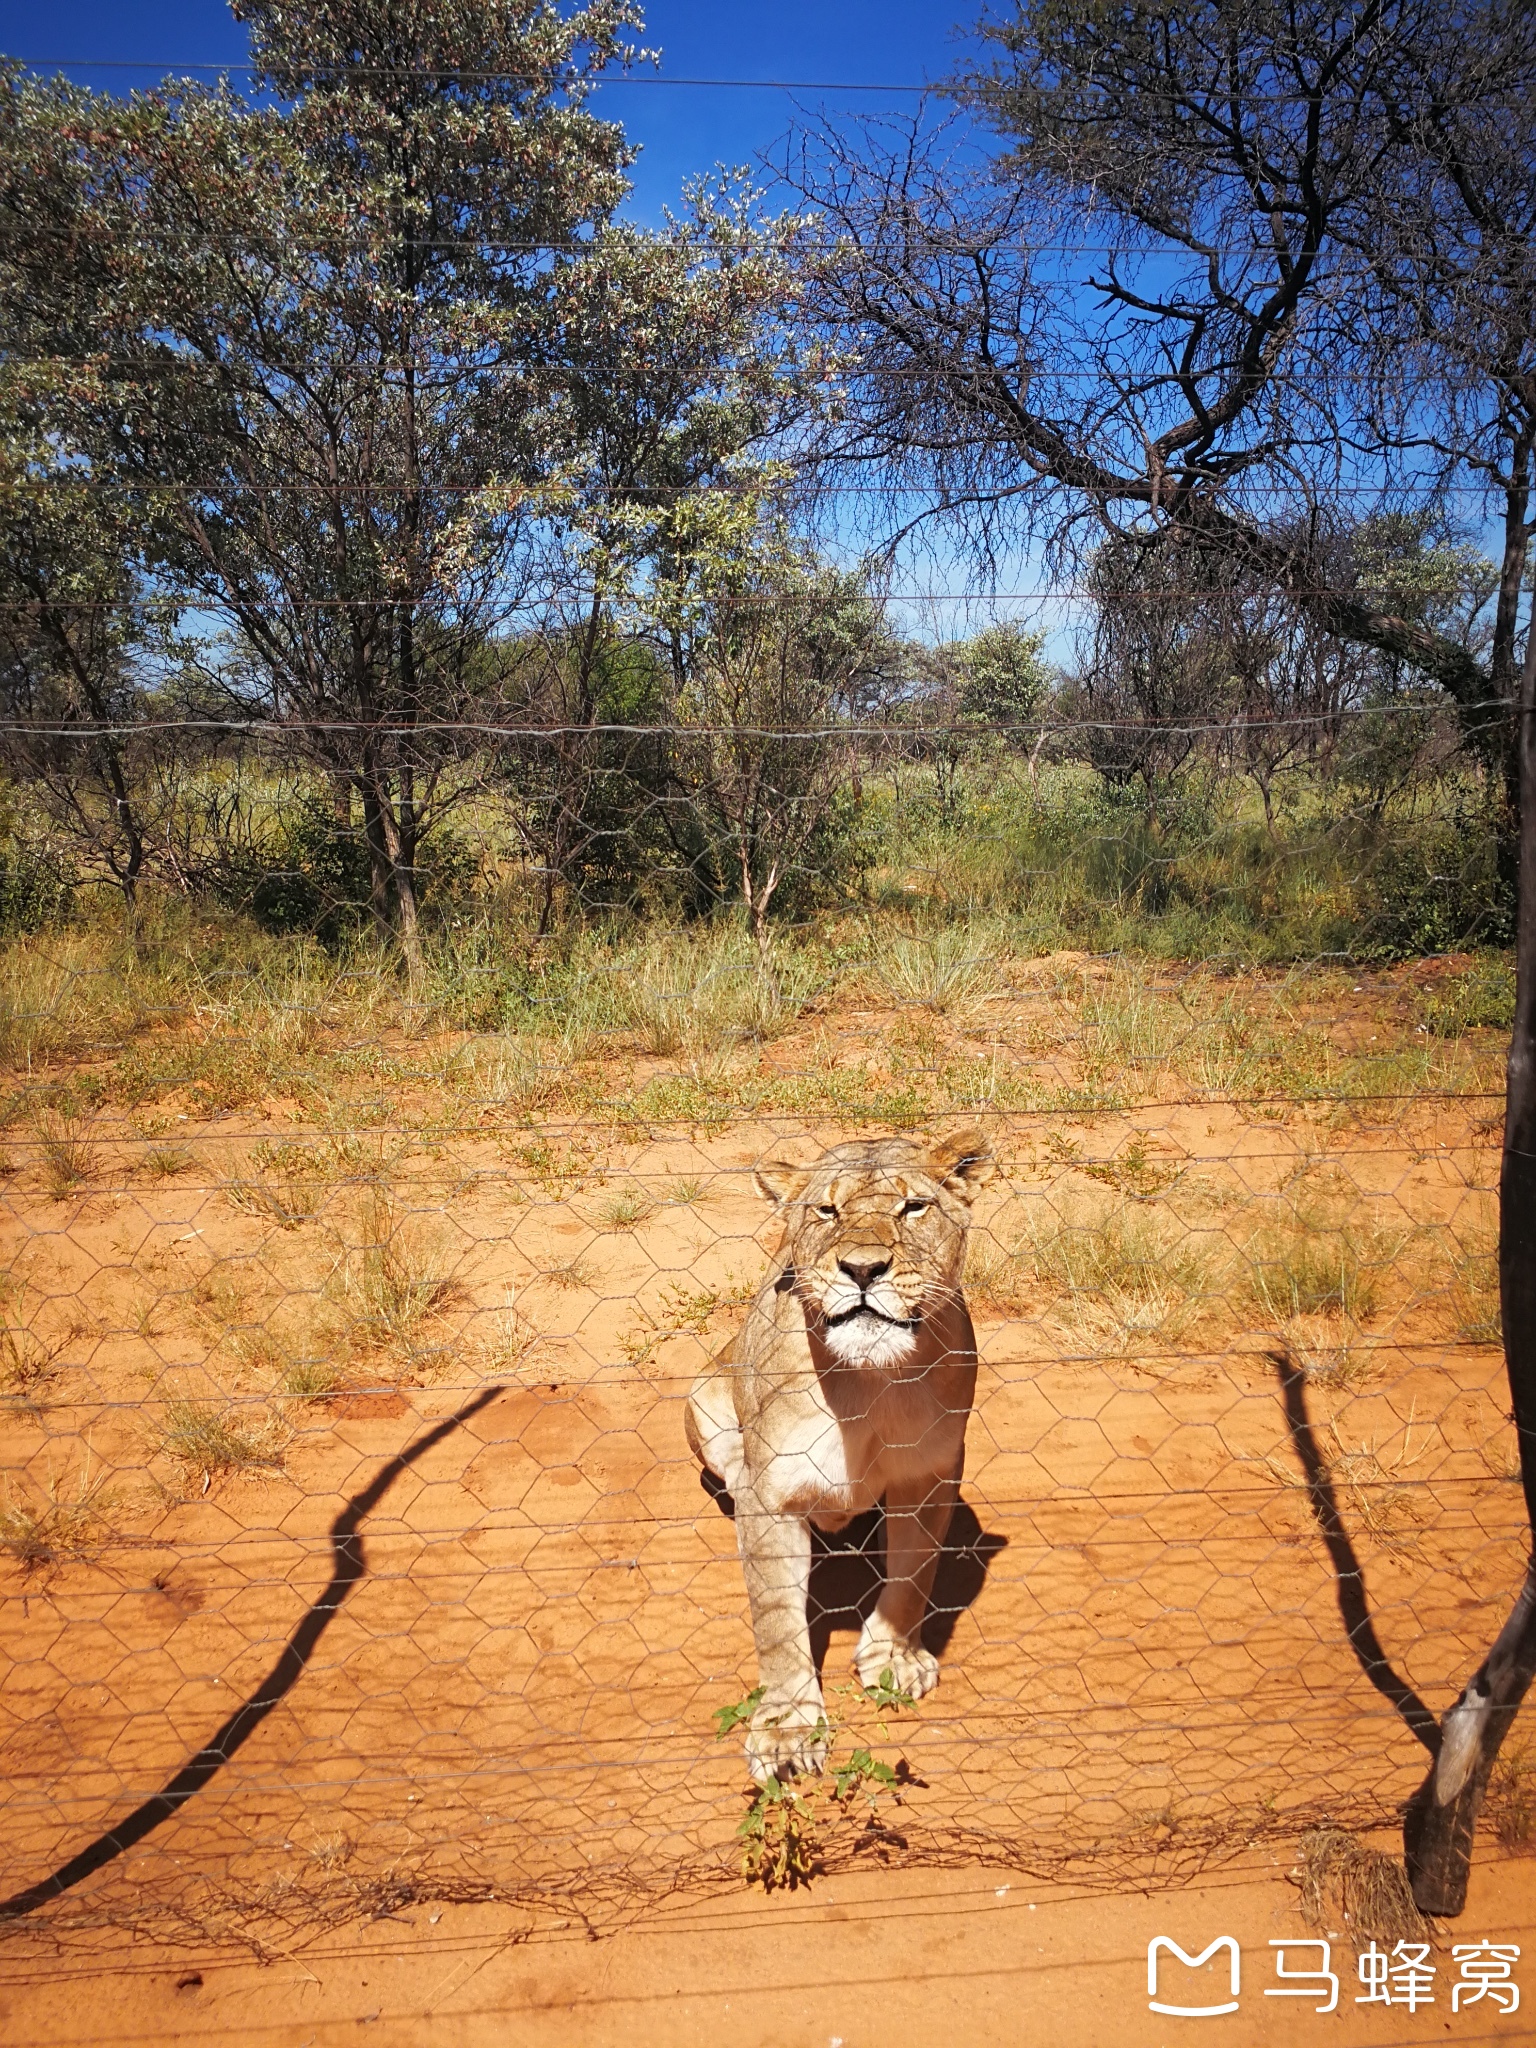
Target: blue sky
684, 129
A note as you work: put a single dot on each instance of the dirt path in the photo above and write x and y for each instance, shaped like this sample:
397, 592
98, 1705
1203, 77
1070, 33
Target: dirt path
862, 1962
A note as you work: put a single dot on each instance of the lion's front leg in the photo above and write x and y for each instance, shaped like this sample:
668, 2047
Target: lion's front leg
789, 1728
917, 1517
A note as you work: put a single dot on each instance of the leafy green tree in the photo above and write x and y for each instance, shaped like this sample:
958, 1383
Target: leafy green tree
678, 374
773, 649
323, 346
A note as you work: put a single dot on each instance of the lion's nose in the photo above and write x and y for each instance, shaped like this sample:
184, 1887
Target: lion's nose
863, 1271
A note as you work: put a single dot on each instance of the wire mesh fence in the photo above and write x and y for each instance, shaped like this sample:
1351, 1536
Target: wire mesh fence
354, 1549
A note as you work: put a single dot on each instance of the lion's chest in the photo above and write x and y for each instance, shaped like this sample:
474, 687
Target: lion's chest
834, 1455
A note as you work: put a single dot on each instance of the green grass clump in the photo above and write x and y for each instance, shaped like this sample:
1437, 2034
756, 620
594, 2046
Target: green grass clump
1481, 997
395, 1277
1128, 1272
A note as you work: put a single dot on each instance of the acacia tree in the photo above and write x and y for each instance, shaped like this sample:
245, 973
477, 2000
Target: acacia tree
73, 633
1233, 264
324, 348
678, 373
1143, 311
771, 649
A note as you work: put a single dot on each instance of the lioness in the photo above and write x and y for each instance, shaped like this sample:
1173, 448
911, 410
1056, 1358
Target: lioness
850, 1381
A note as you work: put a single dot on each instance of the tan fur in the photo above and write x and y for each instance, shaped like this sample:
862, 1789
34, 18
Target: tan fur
851, 1381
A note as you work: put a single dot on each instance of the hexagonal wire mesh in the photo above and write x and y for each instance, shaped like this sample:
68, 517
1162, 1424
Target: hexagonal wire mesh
355, 1549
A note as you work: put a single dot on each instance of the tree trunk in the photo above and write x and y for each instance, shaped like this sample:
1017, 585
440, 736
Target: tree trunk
1443, 1818
380, 866
400, 853
1504, 675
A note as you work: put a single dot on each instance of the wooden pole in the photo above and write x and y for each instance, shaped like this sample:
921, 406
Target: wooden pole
1443, 1818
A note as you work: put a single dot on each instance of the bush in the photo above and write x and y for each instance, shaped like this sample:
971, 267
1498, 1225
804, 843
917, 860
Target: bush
308, 874
1481, 997
1434, 887
36, 894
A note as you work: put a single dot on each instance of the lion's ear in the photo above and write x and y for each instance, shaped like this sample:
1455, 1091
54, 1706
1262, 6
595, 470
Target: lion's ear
779, 1180
963, 1162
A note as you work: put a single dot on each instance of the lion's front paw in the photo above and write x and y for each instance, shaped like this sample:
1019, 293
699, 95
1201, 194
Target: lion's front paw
911, 1669
788, 1739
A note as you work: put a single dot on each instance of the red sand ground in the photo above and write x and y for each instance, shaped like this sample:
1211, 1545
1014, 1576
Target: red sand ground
864, 1961
1148, 1686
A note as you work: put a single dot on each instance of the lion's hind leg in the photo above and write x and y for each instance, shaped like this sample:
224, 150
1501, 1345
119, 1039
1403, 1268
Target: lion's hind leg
714, 1432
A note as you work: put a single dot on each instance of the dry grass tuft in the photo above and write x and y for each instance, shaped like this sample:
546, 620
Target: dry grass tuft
1326, 1351
572, 1273
27, 1360
997, 1275
395, 1278
312, 1380
69, 1160
1300, 1270
164, 1162
283, 1198
57, 1529
206, 1441
1512, 1798
1369, 1481
1472, 1287
1129, 1274
954, 968
1341, 1878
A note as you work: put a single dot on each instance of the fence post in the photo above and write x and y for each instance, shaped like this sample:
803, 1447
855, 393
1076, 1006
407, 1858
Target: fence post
1443, 1818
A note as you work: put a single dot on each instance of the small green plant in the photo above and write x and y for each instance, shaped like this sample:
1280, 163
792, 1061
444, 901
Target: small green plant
865, 1774
728, 1719
778, 1838
207, 1441
684, 1193
780, 1832
886, 1696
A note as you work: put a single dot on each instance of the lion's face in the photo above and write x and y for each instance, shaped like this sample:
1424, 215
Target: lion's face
877, 1237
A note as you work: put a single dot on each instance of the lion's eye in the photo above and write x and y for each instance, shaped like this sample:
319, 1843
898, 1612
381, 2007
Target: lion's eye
915, 1208
826, 1212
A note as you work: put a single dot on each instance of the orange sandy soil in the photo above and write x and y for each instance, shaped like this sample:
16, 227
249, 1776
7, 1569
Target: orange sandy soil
1147, 1681
862, 1961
